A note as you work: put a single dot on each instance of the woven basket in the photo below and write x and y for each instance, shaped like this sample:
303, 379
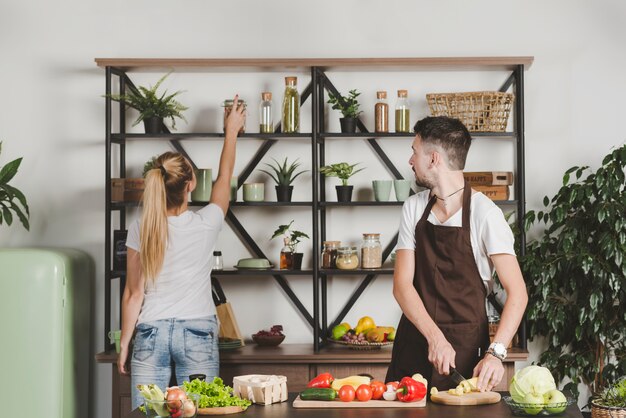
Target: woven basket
480, 111
599, 411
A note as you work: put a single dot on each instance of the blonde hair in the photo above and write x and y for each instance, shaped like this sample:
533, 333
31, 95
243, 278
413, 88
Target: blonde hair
165, 188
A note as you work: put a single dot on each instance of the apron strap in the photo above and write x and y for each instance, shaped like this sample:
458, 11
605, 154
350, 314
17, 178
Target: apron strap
467, 200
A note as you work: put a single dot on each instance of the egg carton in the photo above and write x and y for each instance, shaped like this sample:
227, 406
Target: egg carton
261, 388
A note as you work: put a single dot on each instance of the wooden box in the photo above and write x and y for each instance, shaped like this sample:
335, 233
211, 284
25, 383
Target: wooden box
133, 189
489, 178
261, 388
494, 192
117, 190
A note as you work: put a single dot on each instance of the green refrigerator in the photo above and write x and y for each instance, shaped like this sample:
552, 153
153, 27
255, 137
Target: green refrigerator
45, 332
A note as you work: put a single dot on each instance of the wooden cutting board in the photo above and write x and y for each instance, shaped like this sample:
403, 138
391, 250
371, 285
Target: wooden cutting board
220, 410
299, 403
472, 398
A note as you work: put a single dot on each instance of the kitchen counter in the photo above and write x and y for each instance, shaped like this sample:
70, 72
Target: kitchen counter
286, 410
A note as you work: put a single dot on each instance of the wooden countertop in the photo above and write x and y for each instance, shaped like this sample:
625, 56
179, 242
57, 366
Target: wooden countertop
303, 353
286, 410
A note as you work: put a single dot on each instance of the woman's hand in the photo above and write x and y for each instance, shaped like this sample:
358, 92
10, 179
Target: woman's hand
122, 359
235, 120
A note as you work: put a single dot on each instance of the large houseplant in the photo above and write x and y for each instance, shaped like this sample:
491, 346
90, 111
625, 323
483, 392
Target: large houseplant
576, 275
11, 198
349, 108
292, 237
283, 174
343, 171
152, 106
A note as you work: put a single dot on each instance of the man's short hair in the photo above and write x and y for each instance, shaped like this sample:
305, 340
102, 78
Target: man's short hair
448, 133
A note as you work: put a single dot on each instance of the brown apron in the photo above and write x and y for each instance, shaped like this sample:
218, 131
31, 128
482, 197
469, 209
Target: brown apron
448, 282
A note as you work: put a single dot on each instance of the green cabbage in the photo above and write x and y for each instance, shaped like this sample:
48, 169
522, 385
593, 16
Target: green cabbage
535, 379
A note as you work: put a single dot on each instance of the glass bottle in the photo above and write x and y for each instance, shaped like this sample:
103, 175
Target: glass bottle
381, 113
403, 116
218, 262
228, 107
266, 120
291, 106
371, 252
329, 254
347, 258
286, 256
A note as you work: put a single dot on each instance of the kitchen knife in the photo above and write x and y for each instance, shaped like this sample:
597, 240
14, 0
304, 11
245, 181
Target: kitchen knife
456, 376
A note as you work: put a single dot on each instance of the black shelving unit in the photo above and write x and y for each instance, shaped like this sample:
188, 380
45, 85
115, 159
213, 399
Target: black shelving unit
316, 91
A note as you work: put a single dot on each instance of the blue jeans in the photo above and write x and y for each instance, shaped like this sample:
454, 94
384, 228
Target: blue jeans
188, 345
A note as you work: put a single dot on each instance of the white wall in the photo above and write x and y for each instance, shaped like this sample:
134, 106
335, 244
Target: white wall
52, 113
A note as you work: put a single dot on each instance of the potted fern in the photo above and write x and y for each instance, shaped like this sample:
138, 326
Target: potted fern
11, 198
349, 108
152, 106
292, 238
283, 174
343, 171
611, 402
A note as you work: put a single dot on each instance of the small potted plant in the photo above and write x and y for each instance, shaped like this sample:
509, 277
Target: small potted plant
349, 108
343, 171
153, 107
611, 402
11, 198
284, 174
294, 237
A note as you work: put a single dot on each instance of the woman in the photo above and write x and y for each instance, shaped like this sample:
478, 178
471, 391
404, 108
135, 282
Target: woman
167, 301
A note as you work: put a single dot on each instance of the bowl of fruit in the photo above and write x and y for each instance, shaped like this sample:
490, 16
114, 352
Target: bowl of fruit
270, 338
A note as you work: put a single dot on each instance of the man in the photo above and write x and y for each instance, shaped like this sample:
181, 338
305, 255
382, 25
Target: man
451, 238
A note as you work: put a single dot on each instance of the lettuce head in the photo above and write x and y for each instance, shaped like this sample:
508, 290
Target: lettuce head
532, 379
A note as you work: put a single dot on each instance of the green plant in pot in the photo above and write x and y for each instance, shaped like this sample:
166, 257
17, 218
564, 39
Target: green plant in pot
343, 171
283, 174
11, 198
576, 275
292, 238
153, 107
349, 108
611, 402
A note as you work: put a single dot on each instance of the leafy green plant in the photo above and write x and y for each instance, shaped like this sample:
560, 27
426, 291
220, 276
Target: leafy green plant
11, 198
613, 395
149, 165
283, 173
294, 236
341, 170
576, 275
150, 104
347, 105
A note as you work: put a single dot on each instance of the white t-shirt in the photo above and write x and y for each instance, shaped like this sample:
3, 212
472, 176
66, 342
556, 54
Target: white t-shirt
182, 289
489, 232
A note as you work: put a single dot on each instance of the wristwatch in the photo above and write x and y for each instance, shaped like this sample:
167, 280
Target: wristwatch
498, 350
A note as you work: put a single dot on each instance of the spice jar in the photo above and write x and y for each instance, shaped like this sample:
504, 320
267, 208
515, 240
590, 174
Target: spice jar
291, 106
266, 121
218, 262
228, 107
371, 252
329, 254
403, 113
381, 112
347, 258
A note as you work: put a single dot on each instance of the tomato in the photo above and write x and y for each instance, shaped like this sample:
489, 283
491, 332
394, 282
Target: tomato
378, 388
364, 393
394, 384
346, 393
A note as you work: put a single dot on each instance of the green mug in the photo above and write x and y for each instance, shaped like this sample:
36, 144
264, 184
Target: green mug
114, 336
253, 192
382, 190
204, 185
402, 189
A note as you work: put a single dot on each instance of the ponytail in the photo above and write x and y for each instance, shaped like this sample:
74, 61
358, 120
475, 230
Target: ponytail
153, 225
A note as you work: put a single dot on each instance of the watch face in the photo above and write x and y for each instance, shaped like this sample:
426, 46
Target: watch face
499, 349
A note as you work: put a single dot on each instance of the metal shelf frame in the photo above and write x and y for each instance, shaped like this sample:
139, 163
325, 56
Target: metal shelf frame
316, 90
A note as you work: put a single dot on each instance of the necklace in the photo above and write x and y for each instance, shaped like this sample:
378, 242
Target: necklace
443, 199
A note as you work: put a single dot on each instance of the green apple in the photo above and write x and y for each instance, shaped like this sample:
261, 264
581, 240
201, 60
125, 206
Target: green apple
534, 403
338, 331
555, 400
391, 336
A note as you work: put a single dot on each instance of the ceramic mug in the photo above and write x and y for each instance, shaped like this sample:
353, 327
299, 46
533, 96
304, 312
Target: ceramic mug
253, 192
402, 189
204, 184
382, 190
114, 336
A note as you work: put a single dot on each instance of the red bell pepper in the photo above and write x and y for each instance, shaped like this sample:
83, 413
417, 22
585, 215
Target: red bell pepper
323, 380
410, 390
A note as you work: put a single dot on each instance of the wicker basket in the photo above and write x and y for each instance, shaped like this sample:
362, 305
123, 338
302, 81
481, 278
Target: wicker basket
480, 111
599, 411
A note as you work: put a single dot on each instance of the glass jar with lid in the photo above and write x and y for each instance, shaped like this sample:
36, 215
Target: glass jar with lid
347, 258
228, 107
371, 252
329, 254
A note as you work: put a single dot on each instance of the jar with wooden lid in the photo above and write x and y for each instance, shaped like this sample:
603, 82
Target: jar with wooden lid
371, 252
347, 258
266, 121
381, 112
329, 254
228, 107
403, 113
